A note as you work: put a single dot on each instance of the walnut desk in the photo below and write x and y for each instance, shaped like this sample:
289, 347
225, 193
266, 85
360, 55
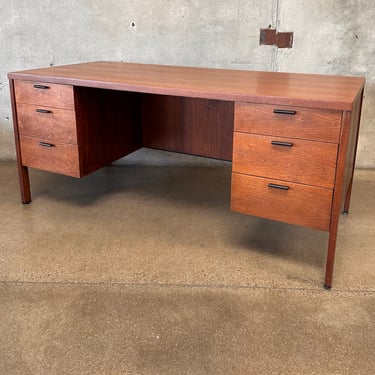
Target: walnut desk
292, 138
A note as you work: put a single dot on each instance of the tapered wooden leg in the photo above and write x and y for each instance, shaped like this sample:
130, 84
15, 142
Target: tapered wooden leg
333, 236
23, 174
347, 197
330, 259
353, 157
332, 240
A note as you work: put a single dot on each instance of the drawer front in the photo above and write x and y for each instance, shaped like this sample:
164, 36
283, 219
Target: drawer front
308, 206
45, 94
296, 160
60, 158
47, 123
294, 122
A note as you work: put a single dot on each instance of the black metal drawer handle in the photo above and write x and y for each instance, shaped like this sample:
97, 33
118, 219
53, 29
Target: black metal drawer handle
42, 87
276, 186
46, 144
39, 110
284, 111
278, 143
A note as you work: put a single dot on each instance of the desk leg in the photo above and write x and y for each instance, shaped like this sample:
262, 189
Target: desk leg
330, 258
347, 196
23, 174
353, 145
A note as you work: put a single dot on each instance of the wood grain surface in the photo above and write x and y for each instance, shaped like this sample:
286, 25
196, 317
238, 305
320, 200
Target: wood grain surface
306, 123
55, 125
308, 206
306, 162
59, 96
309, 90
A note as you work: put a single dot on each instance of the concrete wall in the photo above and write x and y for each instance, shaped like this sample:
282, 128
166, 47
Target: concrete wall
330, 37
334, 37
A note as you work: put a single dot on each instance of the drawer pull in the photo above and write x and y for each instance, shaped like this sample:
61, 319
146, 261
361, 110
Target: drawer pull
284, 111
42, 87
39, 110
278, 143
46, 144
281, 187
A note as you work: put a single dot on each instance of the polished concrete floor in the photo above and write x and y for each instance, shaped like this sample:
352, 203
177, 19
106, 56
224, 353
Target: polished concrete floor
141, 268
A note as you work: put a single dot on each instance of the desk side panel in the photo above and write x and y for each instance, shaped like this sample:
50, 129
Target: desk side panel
109, 126
355, 120
202, 127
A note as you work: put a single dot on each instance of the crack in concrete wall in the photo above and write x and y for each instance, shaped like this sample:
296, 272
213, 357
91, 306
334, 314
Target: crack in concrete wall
275, 25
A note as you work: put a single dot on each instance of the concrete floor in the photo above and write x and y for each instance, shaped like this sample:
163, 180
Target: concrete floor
141, 268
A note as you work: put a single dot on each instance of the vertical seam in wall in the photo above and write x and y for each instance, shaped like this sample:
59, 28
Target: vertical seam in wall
277, 13
275, 17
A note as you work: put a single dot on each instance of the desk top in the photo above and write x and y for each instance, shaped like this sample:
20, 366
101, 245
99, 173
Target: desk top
308, 90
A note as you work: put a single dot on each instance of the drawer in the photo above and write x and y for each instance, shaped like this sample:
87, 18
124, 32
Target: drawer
46, 94
307, 162
49, 123
308, 206
60, 158
294, 122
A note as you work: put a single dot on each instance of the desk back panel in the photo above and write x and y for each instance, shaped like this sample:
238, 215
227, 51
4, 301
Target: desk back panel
193, 126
